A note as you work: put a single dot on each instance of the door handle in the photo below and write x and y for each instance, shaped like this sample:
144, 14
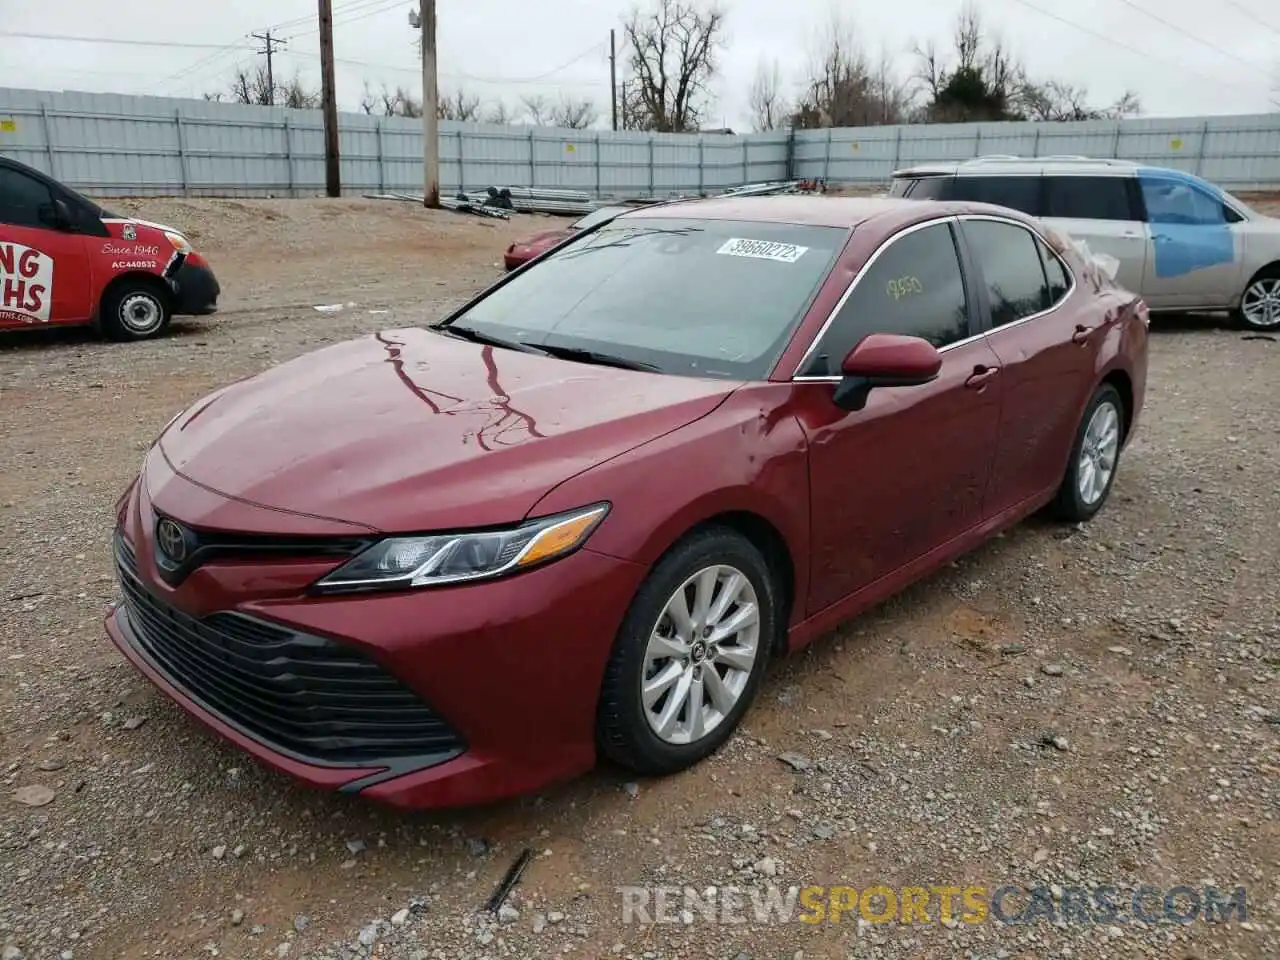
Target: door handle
980, 376
1082, 334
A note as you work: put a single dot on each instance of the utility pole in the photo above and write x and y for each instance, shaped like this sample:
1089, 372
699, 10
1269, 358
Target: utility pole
332, 178
269, 44
613, 78
430, 107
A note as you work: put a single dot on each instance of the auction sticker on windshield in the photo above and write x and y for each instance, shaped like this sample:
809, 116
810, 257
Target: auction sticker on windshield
762, 250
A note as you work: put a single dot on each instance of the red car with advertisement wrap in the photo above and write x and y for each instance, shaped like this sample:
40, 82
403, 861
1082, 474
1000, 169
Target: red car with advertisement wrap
65, 261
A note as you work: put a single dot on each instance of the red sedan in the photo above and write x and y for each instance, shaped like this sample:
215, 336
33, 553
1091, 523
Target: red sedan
580, 517
522, 251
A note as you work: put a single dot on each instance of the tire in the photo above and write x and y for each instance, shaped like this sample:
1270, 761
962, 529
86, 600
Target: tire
625, 732
1101, 428
135, 310
1260, 299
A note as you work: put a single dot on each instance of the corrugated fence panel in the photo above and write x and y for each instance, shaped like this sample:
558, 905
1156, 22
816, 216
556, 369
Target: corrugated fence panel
112, 145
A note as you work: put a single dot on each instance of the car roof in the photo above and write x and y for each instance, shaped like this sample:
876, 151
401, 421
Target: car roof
1026, 166
814, 211
885, 215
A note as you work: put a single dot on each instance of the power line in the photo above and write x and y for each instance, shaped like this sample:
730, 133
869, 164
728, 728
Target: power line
118, 40
1181, 68
362, 10
202, 64
493, 81
1191, 36
339, 9
1253, 16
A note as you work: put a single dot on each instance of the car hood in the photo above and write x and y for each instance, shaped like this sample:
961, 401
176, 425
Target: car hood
410, 430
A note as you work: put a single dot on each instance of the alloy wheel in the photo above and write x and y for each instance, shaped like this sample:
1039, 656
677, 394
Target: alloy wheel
1098, 452
1260, 305
700, 654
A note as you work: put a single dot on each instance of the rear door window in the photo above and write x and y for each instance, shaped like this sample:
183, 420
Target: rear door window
1087, 198
1019, 193
1011, 268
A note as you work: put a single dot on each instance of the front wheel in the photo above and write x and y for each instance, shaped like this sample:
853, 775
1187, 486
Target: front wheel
135, 310
1094, 458
690, 655
1260, 304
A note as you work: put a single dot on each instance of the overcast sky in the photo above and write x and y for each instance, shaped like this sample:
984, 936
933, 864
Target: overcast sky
506, 49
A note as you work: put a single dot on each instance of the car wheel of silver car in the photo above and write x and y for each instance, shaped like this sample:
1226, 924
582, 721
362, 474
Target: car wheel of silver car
690, 655
135, 309
1260, 304
1095, 457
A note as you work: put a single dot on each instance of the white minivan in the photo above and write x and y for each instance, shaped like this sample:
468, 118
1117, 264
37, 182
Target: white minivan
1181, 242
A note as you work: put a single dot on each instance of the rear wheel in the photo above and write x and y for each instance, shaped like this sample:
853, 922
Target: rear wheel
690, 655
1094, 458
135, 310
1260, 304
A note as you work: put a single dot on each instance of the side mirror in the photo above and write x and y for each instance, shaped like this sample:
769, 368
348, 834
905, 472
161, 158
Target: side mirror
885, 360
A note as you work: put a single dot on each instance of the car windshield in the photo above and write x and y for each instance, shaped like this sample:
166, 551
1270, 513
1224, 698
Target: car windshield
705, 298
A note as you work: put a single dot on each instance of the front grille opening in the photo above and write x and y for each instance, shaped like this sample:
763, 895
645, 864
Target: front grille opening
303, 695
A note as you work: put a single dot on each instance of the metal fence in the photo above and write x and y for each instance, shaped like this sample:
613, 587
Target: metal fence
112, 145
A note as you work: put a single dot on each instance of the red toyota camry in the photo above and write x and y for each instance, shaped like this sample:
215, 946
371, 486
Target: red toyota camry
580, 517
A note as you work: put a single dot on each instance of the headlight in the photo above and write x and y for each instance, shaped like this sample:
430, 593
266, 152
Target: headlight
179, 242
400, 562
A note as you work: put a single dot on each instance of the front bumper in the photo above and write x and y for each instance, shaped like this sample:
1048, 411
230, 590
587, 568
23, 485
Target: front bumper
195, 290
512, 668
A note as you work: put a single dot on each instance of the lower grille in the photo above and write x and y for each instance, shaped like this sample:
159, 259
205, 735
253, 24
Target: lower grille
301, 695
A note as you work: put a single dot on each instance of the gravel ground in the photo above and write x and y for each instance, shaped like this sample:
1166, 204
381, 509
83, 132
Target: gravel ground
1064, 707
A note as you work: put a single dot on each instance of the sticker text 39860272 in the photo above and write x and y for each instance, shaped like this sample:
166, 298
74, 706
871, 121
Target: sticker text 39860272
762, 250
26, 283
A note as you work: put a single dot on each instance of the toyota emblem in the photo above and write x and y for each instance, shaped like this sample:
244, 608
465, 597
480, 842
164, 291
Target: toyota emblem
172, 540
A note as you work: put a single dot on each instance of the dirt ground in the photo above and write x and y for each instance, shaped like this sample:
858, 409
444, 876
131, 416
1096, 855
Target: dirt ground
1063, 708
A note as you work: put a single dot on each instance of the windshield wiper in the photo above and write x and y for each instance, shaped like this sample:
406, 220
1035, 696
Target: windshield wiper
475, 336
594, 356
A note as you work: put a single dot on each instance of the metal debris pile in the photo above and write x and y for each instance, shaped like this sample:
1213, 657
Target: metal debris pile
502, 202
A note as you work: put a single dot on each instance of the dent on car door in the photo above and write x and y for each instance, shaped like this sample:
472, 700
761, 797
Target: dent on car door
1196, 252
1025, 289
907, 472
1105, 212
44, 269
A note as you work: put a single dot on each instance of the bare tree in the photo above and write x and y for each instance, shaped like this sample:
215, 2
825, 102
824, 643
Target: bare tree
295, 95
368, 101
538, 109
458, 106
843, 89
399, 103
672, 59
985, 81
500, 113
573, 113
768, 108
250, 86
1057, 100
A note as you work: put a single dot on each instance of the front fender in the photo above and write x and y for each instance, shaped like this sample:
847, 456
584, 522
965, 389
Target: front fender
748, 456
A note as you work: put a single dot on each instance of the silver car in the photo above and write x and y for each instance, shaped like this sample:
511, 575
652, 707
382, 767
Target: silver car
1181, 242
